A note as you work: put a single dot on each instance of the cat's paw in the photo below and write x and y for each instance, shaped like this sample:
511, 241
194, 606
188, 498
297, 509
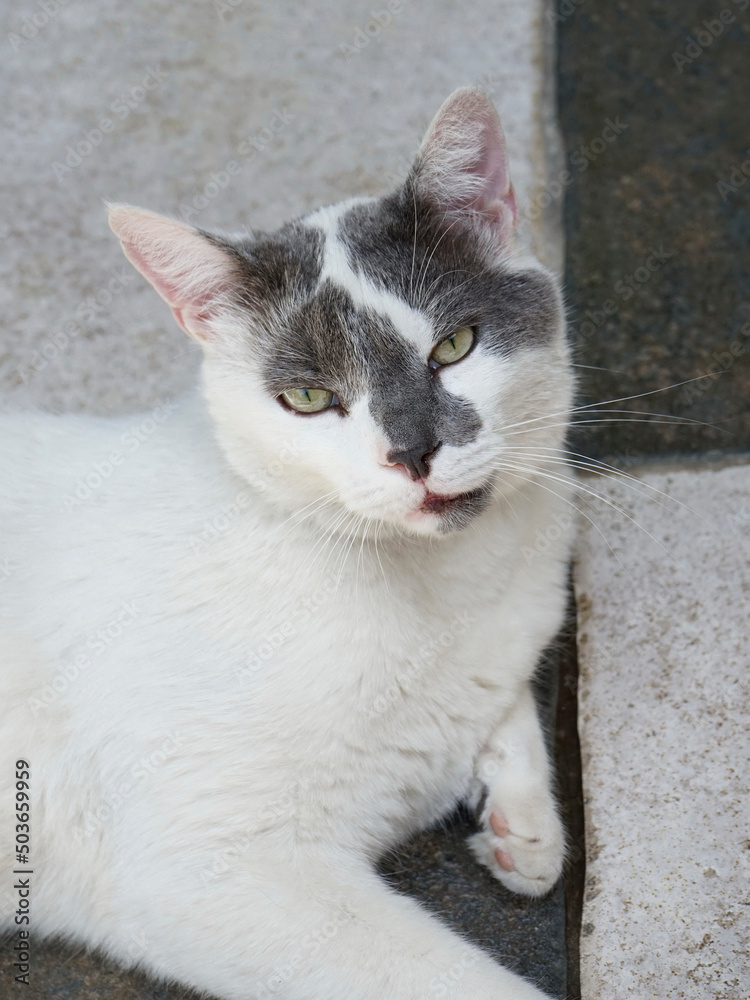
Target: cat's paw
525, 853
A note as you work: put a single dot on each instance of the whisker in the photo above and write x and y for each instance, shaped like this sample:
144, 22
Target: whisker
451, 291
621, 399
414, 247
332, 536
378, 528
190, 350
598, 368
347, 550
423, 271
570, 503
327, 500
594, 493
586, 464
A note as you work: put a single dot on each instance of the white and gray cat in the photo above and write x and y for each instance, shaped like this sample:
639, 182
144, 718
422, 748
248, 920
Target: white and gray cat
247, 652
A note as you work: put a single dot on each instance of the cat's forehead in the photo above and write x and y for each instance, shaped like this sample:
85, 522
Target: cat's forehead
357, 295
395, 259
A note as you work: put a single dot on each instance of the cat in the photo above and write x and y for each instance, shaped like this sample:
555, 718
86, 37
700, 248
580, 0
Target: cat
254, 639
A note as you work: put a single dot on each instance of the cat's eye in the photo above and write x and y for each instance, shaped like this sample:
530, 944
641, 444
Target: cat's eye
453, 348
309, 400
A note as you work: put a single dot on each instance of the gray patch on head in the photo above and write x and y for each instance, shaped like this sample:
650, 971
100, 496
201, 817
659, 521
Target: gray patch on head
276, 269
405, 244
312, 335
317, 343
409, 401
327, 342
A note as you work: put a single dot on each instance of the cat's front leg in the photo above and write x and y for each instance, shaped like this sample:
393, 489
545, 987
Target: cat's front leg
309, 931
521, 839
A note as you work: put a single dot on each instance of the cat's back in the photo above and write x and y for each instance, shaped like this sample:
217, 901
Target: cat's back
93, 510
60, 475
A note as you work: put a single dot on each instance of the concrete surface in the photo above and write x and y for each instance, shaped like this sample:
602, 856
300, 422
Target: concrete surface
169, 95
663, 591
149, 102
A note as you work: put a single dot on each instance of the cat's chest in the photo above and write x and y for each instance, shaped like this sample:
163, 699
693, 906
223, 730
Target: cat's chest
388, 650
401, 687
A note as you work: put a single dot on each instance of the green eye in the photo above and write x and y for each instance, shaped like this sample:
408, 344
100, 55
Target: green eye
308, 400
453, 348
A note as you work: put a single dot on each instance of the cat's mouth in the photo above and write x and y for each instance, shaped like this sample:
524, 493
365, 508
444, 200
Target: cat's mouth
438, 503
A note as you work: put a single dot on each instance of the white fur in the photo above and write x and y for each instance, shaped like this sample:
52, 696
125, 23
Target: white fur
277, 666
240, 674
414, 326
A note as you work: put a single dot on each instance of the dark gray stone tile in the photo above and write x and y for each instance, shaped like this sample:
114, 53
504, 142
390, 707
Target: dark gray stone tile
526, 935
63, 972
658, 218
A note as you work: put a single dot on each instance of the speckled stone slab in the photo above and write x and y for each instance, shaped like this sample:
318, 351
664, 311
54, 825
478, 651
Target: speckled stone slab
663, 589
231, 114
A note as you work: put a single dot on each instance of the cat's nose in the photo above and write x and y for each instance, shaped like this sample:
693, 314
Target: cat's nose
416, 459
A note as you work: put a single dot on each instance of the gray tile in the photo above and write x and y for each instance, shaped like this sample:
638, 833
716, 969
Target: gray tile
658, 251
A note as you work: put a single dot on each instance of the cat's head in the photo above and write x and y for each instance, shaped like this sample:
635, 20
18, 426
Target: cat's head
380, 360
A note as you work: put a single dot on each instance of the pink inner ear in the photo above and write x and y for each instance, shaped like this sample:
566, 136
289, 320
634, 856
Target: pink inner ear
189, 272
492, 168
464, 163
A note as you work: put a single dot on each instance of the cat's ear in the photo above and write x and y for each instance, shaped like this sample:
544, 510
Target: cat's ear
462, 165
190, 272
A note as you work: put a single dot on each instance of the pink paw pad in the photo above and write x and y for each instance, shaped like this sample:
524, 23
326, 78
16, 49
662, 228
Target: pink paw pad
499, 824
500, 827
504, 859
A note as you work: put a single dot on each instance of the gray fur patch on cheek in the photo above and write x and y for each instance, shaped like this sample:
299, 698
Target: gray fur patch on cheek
408, 401
414, 413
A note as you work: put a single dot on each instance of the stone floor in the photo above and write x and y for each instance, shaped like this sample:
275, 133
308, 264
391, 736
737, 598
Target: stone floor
663, 588
281, 90
657, 221
653, 107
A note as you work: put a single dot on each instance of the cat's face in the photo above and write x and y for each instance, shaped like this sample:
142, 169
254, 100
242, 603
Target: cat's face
377, 362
